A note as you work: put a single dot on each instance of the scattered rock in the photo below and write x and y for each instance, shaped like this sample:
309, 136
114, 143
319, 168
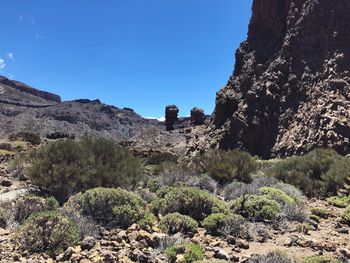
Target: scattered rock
6, 183
88, 243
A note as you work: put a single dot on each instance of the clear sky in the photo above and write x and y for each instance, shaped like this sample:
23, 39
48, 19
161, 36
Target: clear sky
142, 54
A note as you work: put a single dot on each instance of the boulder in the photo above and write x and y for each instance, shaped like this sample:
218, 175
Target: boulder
197, 116
171, 117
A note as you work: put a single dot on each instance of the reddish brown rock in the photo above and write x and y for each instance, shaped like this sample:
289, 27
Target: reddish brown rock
171, 117
290, 90
197, 116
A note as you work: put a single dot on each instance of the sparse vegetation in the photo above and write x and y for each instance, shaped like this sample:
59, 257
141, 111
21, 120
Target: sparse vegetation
345, 217
321, 212
226, 167
47, 232
109, 207
66, 167
320, 259
28, 205
259, 208
314, 173
190, 252
339, 201
31, 137
271, 257
174, 223
190, 201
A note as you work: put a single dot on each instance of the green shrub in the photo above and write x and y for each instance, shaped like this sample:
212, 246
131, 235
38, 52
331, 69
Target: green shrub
148, 219
191, 252
277, 195
190, 201
320, 259
109, 207
214, 222
259, 208
321, 212
67, 167
339, 201
226, 167
272, 257
307, 172
161, 157
32, 138
174, 223
334, 177
47, 232
345, 216
28, 205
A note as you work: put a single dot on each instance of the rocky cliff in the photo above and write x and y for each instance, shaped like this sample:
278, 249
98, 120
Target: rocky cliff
290, 90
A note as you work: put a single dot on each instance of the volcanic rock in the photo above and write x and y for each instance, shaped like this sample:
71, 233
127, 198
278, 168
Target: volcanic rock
197, 116
171, 118
290, 90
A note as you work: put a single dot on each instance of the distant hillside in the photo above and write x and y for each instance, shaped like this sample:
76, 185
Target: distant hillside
23, 108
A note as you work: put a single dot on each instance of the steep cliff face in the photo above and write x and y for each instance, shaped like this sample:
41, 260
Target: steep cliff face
290, 90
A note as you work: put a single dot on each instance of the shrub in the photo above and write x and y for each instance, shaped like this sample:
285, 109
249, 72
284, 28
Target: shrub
174, 223
277, 195
291, 190
295, 212
214, 222
109, 207
259, 208
47, 232
307, 172
225, 167
321, 212
32, 138
271, 257
28, 205
304, 228
320, 259
345, 216
190, 251
161, 157
67, 167
335, 176
190, 201
339, 201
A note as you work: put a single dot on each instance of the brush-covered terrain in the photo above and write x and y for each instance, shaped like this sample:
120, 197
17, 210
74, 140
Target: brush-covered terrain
91, 200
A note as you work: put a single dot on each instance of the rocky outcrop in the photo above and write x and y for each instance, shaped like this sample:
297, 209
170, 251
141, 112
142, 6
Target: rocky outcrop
171, 118
290, 90
197, 116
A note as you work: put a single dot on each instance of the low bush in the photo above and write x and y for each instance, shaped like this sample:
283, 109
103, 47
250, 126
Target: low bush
28, 205
161, 157
320, 259
214, 222
275, 194
190, 252
174, 223
321, 212
67, 167
31, 137
339, 201
304, 228
271, 257
345, 216
47, 232
190, 201
334, 177
259, 208
109, 207
226, 167
311, 173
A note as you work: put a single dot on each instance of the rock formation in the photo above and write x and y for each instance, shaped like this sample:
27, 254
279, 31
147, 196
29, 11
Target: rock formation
197, 116
290, 90
171, 118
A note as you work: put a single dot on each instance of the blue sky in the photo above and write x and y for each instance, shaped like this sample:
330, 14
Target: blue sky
135, 53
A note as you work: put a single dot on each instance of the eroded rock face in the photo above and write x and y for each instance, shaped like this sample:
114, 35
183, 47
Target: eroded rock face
171, 117
197, 116
290, 90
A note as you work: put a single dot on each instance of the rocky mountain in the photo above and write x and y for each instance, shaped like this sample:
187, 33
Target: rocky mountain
290, 90
23, 108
